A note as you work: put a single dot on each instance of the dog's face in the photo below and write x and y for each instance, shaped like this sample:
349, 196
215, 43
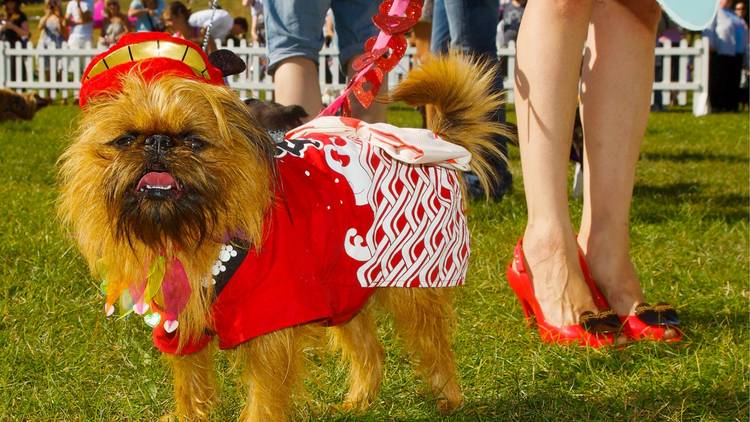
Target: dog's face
169, 162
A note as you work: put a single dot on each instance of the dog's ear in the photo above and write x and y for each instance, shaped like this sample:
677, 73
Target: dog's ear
228, 62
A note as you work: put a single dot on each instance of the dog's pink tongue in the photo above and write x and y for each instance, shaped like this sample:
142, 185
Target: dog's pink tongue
157, 179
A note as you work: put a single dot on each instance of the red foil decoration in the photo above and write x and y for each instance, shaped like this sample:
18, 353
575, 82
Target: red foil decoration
373, 65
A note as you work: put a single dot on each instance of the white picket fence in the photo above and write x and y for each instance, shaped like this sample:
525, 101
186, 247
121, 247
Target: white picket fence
55, 73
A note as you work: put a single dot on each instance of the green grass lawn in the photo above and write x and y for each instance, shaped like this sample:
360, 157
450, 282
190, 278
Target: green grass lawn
61, 359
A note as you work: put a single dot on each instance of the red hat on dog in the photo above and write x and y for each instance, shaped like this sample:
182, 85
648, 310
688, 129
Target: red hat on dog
155, 54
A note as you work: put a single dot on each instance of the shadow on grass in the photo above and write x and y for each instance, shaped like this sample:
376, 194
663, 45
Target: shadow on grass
683, 157
650, 403
675, 109
658, 203
701, 325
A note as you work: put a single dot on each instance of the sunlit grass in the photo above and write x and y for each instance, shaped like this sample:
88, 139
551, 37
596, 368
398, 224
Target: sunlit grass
61, 359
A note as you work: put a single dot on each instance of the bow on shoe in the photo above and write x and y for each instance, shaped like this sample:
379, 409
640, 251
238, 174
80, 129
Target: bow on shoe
662, 314
602, 322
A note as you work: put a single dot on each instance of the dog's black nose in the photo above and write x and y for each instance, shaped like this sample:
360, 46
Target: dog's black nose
158, 143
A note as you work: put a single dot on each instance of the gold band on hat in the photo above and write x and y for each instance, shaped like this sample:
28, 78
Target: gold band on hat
150, 49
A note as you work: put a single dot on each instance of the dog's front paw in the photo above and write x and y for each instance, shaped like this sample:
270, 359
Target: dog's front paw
448, 403
353, 406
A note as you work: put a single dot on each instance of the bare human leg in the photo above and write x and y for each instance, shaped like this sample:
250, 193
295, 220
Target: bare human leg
616, 94
550, 43
296, 83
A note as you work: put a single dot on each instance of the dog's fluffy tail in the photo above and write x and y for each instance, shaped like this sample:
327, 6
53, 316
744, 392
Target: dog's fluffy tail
459, 88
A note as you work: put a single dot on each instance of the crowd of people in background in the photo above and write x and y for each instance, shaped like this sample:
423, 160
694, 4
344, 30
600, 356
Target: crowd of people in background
104, 22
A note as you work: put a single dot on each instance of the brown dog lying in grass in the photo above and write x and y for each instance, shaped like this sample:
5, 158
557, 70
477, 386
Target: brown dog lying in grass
169, 170
15, 106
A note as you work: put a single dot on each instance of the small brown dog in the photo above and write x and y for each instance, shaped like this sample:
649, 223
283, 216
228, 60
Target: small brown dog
165, 170
15, 106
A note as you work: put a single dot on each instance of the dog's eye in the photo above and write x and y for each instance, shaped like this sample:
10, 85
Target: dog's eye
195, 143
124, 141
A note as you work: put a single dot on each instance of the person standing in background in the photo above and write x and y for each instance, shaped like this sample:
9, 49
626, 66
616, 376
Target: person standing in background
79, 17
219, 19
14, 27
239, 31
295, 38
510, 21
723, 74
422, 32
51, 26
114, 25
330, 39
98, 13
471, 27
147, 14
740, 9
257, 24
258, 31
52, 33
741, 59
421, 35
667, 31
176, 17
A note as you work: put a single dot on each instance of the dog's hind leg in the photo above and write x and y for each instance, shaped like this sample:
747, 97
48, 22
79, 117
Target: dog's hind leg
424, 319
358, 340
195, 388
273, 366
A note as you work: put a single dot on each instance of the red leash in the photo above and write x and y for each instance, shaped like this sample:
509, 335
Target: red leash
382, 53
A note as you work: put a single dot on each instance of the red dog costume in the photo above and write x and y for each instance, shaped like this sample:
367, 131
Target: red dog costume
357, 206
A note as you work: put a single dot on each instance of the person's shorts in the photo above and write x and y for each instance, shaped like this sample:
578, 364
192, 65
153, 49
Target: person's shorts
294, 28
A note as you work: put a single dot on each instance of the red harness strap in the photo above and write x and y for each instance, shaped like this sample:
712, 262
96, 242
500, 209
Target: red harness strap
382, 54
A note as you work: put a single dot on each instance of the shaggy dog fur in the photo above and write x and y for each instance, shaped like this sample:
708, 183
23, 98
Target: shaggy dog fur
274, 116
14, 106
226, 159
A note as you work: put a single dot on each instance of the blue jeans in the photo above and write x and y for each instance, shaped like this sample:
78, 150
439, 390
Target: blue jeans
470, 26
294, 28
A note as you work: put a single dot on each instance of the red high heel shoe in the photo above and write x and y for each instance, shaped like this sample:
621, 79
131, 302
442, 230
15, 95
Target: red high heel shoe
651, 322
594, 330
648, 323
